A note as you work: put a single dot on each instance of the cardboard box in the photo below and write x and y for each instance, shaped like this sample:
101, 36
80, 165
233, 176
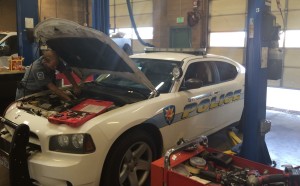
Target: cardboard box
16, 63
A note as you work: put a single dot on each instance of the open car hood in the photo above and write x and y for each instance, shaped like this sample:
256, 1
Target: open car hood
87, 50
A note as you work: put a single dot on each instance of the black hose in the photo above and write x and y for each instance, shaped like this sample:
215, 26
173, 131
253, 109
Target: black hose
254, 180
134, 26
273, 178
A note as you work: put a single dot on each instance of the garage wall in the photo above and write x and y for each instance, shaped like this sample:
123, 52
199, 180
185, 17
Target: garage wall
160, 26
73, 10
67, 9
8, 15
166, 12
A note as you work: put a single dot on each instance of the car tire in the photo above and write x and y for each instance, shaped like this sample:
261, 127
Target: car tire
129, 160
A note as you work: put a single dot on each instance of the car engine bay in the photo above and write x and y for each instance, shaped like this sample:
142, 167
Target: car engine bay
48, 104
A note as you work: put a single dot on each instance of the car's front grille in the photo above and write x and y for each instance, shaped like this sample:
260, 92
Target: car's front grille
4, 145
15, 150
7, 132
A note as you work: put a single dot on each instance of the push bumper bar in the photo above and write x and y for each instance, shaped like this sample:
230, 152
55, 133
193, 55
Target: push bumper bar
17, 152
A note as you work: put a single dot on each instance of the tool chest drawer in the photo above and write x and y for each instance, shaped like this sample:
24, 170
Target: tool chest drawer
207, 166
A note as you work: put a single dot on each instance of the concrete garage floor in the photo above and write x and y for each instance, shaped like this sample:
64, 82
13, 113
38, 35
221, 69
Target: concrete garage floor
283, 110
282, 141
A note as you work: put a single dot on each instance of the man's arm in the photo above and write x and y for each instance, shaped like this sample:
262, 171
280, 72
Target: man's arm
51, 86
72, 81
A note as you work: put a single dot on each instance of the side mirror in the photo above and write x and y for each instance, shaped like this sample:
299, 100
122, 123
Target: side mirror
193, 83
177, 73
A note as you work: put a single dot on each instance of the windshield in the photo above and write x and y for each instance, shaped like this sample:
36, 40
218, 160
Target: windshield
2, 36
159, 72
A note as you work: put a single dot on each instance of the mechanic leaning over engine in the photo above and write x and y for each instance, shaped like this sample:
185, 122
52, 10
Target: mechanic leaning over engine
41, 76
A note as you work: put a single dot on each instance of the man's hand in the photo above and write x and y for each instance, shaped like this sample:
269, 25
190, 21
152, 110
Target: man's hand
70, 77
58, 92
77, 90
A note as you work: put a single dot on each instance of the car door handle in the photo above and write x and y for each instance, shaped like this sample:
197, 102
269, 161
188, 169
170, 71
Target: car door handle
215, 92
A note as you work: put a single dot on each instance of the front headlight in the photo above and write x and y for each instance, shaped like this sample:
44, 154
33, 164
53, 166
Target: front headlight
72, 143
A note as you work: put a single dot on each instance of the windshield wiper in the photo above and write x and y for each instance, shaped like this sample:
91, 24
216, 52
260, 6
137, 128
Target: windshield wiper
124, 88
133, 90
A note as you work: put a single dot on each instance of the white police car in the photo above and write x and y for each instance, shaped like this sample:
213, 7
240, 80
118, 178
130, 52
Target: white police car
150, 102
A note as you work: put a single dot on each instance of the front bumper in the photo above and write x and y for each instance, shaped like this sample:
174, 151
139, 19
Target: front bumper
29, 166
14, 154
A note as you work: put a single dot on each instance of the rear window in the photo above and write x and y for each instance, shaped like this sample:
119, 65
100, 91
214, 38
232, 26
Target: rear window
227, 71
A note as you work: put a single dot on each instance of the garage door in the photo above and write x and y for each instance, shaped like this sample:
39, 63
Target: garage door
230, 16
142, 12
291, 69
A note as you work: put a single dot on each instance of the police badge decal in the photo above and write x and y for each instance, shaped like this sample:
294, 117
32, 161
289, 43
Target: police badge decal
169, 113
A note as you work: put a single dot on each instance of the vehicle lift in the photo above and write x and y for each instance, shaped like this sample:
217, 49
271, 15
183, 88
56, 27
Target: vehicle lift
27, 18
260, 29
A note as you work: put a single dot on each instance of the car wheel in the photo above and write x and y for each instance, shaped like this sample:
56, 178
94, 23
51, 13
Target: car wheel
129, 160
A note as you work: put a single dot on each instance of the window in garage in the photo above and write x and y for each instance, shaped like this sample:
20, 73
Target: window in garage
292, 39
237, 39
227, 39
144, 32
143, 16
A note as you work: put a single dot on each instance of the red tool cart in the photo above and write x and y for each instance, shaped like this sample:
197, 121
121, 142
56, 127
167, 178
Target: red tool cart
194, 164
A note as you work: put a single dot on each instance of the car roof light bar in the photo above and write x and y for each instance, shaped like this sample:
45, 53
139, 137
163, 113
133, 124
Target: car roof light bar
199, 51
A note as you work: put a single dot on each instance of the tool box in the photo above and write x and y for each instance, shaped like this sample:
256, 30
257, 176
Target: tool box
81, 113
16, 63
202, 165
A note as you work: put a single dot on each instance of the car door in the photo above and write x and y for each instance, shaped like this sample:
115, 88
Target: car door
211, 101
196, 91
230, 92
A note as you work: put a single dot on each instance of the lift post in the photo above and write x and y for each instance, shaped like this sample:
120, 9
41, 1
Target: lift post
255, 126
100, 15
27, 18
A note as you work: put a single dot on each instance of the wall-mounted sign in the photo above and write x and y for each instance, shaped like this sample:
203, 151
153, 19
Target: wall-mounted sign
179, 19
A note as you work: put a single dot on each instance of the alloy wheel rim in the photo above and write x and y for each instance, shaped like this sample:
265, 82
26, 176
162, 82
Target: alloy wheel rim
135, 165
